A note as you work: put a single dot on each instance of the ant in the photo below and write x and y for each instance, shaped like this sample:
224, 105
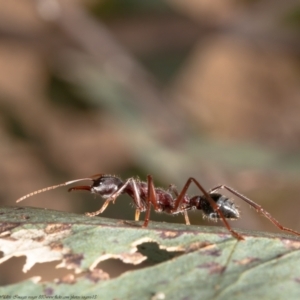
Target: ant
213, 204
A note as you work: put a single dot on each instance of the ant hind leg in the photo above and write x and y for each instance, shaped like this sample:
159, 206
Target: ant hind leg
256, 206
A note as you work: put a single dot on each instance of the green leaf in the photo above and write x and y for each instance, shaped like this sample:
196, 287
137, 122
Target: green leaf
188, 262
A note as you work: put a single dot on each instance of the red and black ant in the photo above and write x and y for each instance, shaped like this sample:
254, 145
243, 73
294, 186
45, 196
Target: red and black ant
213, 205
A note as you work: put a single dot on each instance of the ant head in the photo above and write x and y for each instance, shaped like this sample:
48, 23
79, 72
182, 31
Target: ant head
105, 185
225, 205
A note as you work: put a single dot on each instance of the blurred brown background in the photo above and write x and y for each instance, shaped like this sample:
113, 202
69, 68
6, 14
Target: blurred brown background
172, 88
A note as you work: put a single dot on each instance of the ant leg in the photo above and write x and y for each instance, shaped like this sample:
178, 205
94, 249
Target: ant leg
137, 215
100, 211
218, 187
151, 199
211, 202
186, 218
115, 195
172, 188
147, 216
256, 206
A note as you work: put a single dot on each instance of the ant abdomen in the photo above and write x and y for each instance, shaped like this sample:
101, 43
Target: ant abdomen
225, 205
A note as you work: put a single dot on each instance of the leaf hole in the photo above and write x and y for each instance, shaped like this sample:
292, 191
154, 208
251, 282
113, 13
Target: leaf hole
11, 271
116, 267
155, 255
48, 271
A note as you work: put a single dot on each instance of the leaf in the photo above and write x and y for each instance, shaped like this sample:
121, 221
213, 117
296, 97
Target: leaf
188, 262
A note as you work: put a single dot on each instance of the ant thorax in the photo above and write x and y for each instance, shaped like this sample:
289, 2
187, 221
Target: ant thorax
165, 200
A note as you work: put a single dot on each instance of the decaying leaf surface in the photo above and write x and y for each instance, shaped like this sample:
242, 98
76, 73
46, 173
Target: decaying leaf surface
212, 264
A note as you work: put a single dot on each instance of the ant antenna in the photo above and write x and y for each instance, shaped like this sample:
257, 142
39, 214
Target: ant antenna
51, 188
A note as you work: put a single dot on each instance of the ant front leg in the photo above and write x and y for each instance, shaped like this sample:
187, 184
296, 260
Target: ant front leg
256, 206
211, 202
101, 210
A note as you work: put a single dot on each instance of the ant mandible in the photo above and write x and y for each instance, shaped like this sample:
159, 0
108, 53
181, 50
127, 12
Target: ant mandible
213, 205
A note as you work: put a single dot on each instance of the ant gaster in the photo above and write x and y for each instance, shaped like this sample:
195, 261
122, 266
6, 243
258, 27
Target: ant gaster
144, 194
